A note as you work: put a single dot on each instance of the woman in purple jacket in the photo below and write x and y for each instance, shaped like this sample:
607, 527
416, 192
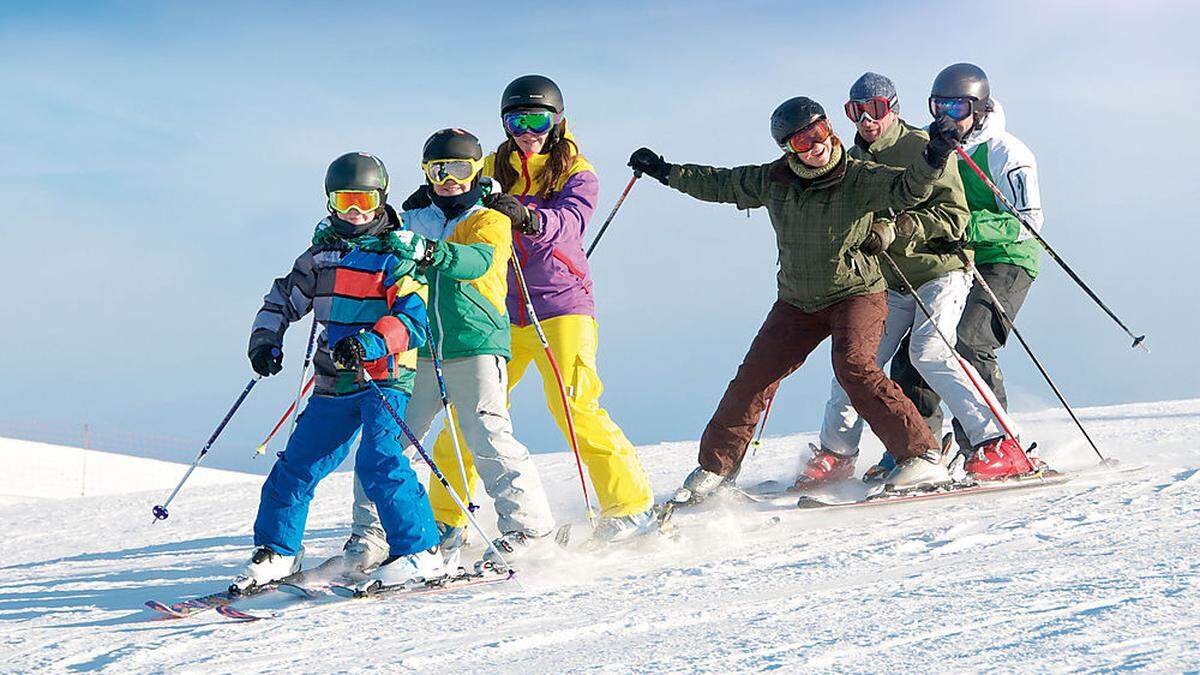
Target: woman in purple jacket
549, 192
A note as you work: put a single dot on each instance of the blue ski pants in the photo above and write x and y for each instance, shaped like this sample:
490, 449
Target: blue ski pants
324, 435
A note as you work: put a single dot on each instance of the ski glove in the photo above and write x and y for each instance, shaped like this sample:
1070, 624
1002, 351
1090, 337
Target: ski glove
419, 199
266, 360
879, 237
944, 136
645, 160
908, 227
349, 352
524, 220
408, 245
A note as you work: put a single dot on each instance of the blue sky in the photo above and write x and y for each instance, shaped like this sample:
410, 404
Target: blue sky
162, 163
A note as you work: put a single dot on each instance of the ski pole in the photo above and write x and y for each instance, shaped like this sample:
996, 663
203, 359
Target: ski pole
1138, 340
762, 425
435, 349
609, 219
308, 354
438, 474
562, 389
1029, 350
262, 447
986, 395
160, 511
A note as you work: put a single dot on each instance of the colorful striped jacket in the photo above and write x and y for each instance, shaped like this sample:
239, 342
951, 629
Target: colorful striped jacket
352, 286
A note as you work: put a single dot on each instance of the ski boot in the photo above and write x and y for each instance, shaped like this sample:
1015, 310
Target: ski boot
998, 459
619, 528
513, 546
413, 569
698, 486
878, 472
925, 470
265, 567
361, 554
450, 542
825, 466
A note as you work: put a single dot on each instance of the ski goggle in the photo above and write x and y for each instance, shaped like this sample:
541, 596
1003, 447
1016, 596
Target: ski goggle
521, 122
441, 171
802, 141
876, 108
364, 201
957, 109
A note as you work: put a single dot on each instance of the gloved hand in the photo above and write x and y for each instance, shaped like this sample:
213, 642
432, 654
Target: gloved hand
652, 164
523, 219
419, 199
266, 360
944, 136
349, 353
880, 236
408, 245
908, 227
943, 246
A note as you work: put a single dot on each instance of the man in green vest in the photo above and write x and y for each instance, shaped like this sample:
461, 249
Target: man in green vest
1006, 255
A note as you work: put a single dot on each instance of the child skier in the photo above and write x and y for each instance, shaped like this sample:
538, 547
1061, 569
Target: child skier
468, 248
939, 278
360, 278
821, 204
1006, 256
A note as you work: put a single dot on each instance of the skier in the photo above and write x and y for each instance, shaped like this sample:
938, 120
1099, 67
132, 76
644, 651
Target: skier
923, 234
468, 248
1006, 256
821, 204
360, 278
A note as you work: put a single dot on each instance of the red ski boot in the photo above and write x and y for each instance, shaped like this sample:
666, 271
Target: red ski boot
825, 467
998, 459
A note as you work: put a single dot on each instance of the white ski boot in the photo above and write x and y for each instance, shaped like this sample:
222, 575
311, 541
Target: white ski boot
619, 528
415, 568
450, 543
513, 546
265, 566
698, 486
923, 471
362, 554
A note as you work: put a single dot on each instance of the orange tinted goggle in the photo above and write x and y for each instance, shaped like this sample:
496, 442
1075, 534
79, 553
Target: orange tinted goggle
802, 141
364, 201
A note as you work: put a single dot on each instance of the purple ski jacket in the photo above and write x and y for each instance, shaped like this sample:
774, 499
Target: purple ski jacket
554, 263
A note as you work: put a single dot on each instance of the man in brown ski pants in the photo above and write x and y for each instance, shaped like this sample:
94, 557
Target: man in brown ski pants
821, 203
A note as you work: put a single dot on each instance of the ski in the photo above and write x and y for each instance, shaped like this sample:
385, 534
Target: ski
956, 489
192, 606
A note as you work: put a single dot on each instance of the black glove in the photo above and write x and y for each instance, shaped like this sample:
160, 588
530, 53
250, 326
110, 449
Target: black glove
645, 160
943, 246
419, 199
266, 360
908, 227
944, 136
523, 220
880, 236
349, 353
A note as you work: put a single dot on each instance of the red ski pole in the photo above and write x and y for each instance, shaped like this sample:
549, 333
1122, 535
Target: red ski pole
262, 447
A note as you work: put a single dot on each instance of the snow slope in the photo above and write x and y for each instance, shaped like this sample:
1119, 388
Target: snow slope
30, 470
1099, 573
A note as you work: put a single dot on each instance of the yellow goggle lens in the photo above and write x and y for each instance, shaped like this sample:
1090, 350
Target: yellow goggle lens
364, 201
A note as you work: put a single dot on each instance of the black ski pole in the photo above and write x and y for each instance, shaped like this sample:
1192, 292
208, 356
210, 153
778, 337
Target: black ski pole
160, 511
1029, 350
609, 219
1138, 340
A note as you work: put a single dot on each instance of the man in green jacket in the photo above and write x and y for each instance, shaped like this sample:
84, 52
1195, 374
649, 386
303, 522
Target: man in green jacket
940, 279
821, 203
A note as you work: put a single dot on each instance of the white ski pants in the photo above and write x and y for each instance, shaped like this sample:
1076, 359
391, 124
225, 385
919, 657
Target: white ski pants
477, 387
945, 296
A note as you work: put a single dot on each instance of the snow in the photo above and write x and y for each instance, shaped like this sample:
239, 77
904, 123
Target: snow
1099, 573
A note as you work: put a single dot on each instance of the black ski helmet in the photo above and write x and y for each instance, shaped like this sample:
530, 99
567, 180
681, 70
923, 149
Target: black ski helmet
452, 144
964, 80
793, 115
357, 171
532, 91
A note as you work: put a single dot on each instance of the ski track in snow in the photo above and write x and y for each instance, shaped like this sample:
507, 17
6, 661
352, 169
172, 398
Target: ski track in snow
1099, 573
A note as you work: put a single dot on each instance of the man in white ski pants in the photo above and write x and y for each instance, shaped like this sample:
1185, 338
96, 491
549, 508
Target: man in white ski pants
920, 242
